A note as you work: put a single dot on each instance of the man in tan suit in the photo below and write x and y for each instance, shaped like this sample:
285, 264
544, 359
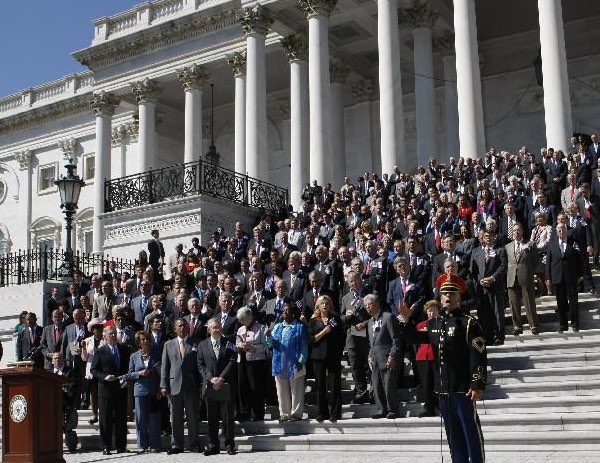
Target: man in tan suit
104, 303
523, 260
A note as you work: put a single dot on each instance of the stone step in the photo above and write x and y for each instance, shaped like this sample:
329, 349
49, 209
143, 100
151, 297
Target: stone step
542, 389
544, 374
525, 361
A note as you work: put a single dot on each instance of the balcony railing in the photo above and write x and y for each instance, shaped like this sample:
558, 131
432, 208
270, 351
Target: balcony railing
37, 265
191, 179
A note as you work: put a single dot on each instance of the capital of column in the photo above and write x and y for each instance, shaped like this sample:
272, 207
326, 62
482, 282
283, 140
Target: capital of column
103, 104
363, 91
24, 159
317, 7
444, 44
295, 47
192, 77
255, 20
146, 90
237, 63
338, 71
67, 145
421, 15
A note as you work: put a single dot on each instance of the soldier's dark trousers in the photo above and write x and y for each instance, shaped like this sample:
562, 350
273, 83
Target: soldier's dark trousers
463, 429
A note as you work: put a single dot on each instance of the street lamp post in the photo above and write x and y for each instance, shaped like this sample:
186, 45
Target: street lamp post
69, 187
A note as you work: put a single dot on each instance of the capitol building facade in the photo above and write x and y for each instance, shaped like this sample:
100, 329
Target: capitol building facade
196, 113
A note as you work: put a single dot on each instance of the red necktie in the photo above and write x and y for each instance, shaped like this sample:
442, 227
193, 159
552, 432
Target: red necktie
438, 240
56, 334
572, 193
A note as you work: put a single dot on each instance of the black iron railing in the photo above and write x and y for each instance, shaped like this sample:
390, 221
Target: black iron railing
35, 265
191, 179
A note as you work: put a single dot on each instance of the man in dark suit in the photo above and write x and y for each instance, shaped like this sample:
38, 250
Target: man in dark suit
582, 235
110, 363
488, 270
355, 318
196, 321
52, 303
28, 341
141, 304
448, 252
51, 341
317, 290
420, 263
563, 269
294, 278
179, 380
74, 335
73, 299
156, 252
229, 322
286, 247
403, 291
542, 206
217, 366
522, 263
384, 358
556, 171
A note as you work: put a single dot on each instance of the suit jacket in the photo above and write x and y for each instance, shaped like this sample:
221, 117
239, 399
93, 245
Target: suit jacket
429, 244
25, 346
415, 294
158, 347
138, 309
210, 366
69, 338
103, 364
421, 272
297, 290
176, 373
230, 327
521, 271
103, 305
308, 307
155, 252
563, 269
144, 385
358, 315
50, 344
438, 264
331, 346
495, 267
384, 334
199, 332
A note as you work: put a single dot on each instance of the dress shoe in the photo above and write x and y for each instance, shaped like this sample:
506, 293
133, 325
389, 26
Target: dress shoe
321, 418
121, 450
231, 450
296, 418
211, 451
498, 342
378, 416
154, 451
106, 452
93, 420
518, 331
593, 291
391, 416
575, 329
535, 330
333, 419
174, 451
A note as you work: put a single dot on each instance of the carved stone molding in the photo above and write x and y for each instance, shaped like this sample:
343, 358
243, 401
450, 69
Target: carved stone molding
237, 63
146, 90
103, 104
295, 47
193, 77
421, 15
338, 71
144, 229
255, 20
444, 44
128, 131
362, 91
67, 146
317, 7
24, 159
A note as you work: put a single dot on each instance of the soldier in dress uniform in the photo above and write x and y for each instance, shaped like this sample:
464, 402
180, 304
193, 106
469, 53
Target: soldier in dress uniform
461, 357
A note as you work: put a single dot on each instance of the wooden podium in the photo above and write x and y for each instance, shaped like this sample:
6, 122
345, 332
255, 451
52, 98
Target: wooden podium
32, 416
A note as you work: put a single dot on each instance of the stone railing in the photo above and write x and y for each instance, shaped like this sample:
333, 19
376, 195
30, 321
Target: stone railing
145, 15
65, 87
193, 178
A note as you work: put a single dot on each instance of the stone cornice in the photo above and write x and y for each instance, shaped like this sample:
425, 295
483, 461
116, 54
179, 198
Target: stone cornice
237, 63
317, 7
146, 90
153, 38
421, 15
44, 114
103, 104
295, 47
192, 77
255, 19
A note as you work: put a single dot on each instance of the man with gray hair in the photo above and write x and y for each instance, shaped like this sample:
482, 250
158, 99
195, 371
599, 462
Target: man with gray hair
229, 324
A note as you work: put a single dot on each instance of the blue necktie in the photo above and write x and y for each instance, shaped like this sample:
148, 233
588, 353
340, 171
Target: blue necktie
115, 354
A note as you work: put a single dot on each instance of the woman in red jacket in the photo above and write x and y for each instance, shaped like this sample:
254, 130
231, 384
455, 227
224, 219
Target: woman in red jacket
426, 365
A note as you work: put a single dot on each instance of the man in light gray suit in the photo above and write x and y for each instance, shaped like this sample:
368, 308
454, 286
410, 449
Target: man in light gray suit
522, 260
180, 381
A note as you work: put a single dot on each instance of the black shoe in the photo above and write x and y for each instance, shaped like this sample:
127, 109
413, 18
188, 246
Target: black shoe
93, 420
333, 419
121, 450
391, 416
377, 416
231, 450
517, 332
174, 451
106, 452
211, 451
535, 331
498, 342
575, 329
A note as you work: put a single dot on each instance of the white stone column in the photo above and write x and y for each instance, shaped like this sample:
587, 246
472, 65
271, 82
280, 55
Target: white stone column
362, 130
471, 130
193, 79
296, 50
146, 94
237, 62
557, 101
445, 46
317, 13
103, 106
339, 72
256, 23
422, 18
24, 159
391, 114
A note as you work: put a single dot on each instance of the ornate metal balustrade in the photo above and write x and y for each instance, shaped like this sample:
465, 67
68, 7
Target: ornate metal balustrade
36, 265
191, 179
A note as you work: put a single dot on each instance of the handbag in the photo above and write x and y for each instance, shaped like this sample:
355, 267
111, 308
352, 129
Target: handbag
221, 395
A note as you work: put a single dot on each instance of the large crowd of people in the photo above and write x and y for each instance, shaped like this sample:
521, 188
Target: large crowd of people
222, 329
